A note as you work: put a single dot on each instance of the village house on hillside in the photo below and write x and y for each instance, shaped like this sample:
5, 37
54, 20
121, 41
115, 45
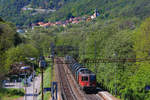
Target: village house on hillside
72, 20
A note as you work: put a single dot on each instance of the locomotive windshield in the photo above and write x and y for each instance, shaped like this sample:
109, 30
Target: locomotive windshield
84, 78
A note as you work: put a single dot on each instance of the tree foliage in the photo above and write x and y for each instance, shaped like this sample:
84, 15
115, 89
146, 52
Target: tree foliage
7, 41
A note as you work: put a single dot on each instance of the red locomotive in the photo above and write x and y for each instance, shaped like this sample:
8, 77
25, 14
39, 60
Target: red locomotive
84, 77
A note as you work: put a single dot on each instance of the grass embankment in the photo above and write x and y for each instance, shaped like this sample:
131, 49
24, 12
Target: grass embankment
11, 94
47, 80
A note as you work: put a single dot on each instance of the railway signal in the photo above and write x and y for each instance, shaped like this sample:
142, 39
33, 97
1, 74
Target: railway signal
54, 90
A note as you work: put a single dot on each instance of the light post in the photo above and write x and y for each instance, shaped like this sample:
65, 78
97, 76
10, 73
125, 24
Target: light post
25, 68
115, 76
42, 64
95, 57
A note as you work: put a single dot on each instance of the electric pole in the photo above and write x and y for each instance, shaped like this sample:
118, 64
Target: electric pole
95, 57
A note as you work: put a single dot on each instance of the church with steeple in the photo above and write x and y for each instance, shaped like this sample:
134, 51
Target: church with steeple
96, 14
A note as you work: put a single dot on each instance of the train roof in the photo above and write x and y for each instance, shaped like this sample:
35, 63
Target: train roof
86, 72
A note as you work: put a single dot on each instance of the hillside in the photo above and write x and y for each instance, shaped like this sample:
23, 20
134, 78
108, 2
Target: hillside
11, 10
107, 8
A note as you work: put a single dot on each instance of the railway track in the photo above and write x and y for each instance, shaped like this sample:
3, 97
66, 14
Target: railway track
70, 90
92, 97
66, 91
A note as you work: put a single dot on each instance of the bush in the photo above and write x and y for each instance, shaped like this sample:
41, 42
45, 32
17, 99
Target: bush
11, 92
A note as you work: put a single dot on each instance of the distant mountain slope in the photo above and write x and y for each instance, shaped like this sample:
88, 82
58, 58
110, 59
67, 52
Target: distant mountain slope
107, 8
10, 10
53, 4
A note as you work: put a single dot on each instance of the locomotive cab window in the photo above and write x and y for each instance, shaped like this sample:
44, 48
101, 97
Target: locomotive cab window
84, 78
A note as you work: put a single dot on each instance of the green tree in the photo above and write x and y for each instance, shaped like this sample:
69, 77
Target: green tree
141, 76
8, 39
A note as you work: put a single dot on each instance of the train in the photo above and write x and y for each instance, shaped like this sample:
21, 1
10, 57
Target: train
85, 78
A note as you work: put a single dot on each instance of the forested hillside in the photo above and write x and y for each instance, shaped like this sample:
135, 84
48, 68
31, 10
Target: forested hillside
11, 10
107, 8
